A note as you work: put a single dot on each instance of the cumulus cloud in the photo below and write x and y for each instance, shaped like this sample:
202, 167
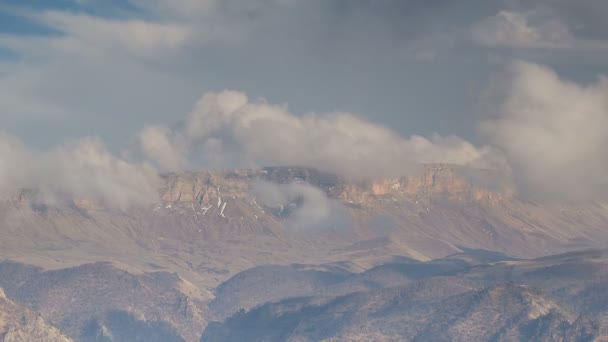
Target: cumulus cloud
554, 132
82, 169
227, 128
302, 205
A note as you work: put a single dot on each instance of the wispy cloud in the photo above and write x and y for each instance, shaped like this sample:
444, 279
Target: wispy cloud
531, 29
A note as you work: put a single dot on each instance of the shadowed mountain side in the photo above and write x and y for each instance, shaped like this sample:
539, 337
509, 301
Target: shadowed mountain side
503, 312
403, 299
72, 298
577, 280
122, 326
264, 284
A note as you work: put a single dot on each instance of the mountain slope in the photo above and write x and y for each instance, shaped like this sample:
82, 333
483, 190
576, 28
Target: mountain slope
100, 299
502, 312
18, 324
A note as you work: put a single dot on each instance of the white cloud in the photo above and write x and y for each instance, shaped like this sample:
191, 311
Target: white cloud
226, 128
83, 169
554, 132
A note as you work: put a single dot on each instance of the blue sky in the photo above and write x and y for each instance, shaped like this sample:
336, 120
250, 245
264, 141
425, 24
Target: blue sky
433, 69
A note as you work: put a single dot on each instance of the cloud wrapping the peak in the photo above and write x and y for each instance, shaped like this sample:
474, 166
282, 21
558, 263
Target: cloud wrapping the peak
82, 169
227, 128
553, 132
305, 207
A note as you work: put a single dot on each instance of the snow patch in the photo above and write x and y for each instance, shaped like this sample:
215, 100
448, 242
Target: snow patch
222, 211
205, 209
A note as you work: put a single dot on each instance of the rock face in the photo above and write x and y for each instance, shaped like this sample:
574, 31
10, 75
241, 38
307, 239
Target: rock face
204, 190
18, 324
435, 180
431, 211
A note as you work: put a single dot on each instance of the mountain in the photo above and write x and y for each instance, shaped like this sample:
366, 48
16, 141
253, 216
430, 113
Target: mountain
561, 297
271, 283
474, 294
102, 299
203, 219
497, 313
218, 241
577, 279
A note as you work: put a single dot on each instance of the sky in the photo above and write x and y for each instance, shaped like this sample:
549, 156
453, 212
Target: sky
360, 87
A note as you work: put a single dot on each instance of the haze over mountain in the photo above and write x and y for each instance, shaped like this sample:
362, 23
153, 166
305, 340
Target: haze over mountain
303, 170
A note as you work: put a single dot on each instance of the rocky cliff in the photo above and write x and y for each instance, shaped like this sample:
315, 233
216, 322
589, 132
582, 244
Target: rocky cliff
205, 189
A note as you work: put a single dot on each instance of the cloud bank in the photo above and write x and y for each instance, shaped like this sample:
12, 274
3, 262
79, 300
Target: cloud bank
82, 169
550, 132
227, 129
554, 132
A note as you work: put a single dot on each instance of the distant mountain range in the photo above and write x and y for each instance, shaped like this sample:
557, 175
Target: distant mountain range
295, 248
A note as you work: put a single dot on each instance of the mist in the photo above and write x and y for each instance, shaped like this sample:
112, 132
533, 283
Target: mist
80, 169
